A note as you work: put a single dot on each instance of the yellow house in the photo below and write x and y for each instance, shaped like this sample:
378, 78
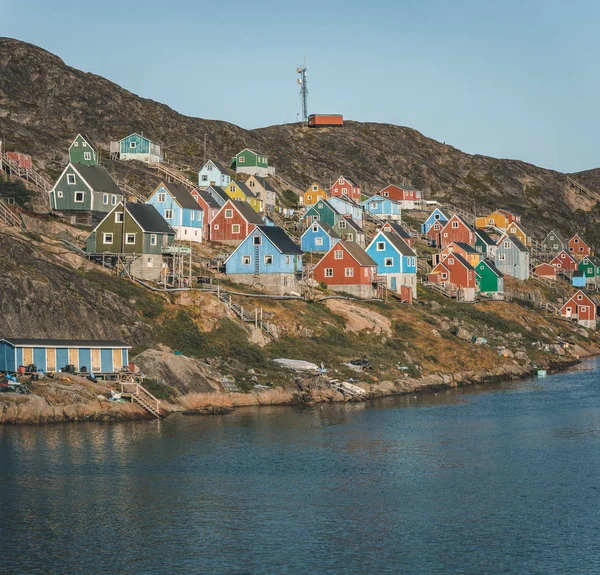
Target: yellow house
312, 195
498, 219
515, 229
241, 192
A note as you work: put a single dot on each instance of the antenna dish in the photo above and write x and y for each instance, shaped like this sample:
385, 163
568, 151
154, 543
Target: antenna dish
298, 70
299, 80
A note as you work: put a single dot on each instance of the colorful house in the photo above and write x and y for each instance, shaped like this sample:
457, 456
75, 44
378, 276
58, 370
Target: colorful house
436, 216
564, 262
82, 188
434, 231
500, 219
218, 194
383, 208
395, 260
83, 151
512, 257
137, 231
554, 242
484, 244
455, 230
209, 208
322, 211
49, 355
469, 253
578, 248
234, 222
347, 268
457, 276
139, 147
408, 197
491, 279
345, 186
347, 207
581, 308
312, 195
395, 227
578, 279
250, 162
590, 266
213, 174
545, 270
268, 258
319, 237
350, 231
241, 192
517, 229
178, 207
262, 189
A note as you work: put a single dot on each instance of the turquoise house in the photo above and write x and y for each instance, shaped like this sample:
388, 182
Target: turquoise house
213, 174
267, 258
138, 147
395, 260
322, 211
178, 207
346, 207
319, 237
384, 208
436, 216
98, 356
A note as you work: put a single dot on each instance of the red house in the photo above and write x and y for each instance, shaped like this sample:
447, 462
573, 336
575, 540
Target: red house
581, 308
233, 222
578, 248
547, 271
564, 262
433, 233
209, 206
348, 268
456, 275
510, 217
409, 197
346, 186
456, 230
396, 228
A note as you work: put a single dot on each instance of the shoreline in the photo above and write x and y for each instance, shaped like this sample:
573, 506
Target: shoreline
308, 391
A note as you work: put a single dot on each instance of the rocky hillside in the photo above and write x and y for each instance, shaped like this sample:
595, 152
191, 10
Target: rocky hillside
44, 103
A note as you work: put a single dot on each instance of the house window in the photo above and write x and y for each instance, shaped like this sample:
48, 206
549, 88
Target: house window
590, 270
84, 144
153, 239
507, 245
349, 272
501, 257
215, 227
315, 188
315, 228
119, 216
251, 183
455, 225
444, 276
76, 144
328, 272
342, 181
59, 194
113, 200
130, 239
318, 241
268, 260
388, 262
107, 239
162, 197
79, 197
287, 260
344, 190
198, 216
580, 249
235, 229
579, 297
228, 214
450, 261
320, 206
576, 240
342, 225
413, 262
204, 178
257, 241
71, 179
87, 156
380, 246
241, 159
192, 215
386, 194
436, 217
582, 308
105, 199
132, 145
373, 205
246, 260
150, 262
168, 214
338, 255
232, 189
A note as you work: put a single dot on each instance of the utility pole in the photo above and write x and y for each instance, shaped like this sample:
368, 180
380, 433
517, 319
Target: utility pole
301, 71
205, 150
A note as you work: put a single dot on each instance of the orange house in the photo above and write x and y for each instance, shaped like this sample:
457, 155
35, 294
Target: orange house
499, 219
578, 248
312, 195
469, 253
564, 261
455, 230
456, 275
581, 308
433, 233
345, 186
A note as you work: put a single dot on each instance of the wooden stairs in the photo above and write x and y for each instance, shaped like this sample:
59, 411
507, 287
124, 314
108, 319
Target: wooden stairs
9, 217
140, 395
173, 173
242, 313
13, 168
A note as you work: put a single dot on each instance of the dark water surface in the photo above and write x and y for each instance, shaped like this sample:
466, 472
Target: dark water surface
502, 480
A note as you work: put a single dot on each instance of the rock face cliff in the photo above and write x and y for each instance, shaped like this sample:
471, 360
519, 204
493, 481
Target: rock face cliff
44, 103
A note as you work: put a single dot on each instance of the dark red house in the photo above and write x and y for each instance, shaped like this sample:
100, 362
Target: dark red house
345, 186
233, 222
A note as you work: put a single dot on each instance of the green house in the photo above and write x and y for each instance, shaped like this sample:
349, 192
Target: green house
250, 162
590, 266
491, 279
82, 151
484, 244
322, 211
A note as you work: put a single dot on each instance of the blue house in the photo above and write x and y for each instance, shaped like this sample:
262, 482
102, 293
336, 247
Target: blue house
346, 207
213, 174
177, 205
319, 237
578, 279
395, 260
137, 147
383, 207
267, 258
436, 216
97, 356
218, 194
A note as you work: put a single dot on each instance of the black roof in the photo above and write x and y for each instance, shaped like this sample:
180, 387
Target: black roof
485, 237
89, 142
98, 178
515, 240
280, 239
212, 203
328, 229
247, 211
220, 166
354, 225
264, 183
490, 264
461, 259
65, 342
466, 247
242, 186
149, 218
182, 195
360, 255
399, 244
399, 230
220, 192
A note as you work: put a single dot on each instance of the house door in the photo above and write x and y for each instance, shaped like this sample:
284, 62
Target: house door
393, 283
96, 362
569, 312
117, 360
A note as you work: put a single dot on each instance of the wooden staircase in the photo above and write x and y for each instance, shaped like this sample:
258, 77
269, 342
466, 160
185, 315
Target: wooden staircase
9, 217
581, 188
172, 173
129, 191
140, 395
244, 314
13, 168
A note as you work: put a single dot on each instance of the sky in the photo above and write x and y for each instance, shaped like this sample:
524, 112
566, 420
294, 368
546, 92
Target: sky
504, 78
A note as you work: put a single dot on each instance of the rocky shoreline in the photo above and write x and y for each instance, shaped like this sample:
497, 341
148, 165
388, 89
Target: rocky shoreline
35, 409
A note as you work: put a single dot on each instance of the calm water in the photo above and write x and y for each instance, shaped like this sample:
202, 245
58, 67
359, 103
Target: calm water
504, 480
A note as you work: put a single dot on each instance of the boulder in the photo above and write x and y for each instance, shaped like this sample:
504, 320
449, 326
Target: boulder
462, 333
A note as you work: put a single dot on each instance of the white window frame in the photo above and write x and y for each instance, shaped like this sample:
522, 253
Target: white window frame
82, 198
388, 262
83, 144
338, 255
76, 144
105, 237
193, 216
454, 225
228, 213
380, 246
87, 156
113, 200
328, 272
246, 260
119, 217
168, 214
242, 159
501, 257
318, 241
162, 197
132, 145
349, 272
268, 259
127, 238
105, 199
153, 239
71, 179
150, 262
59, 194
257, 241
236, 229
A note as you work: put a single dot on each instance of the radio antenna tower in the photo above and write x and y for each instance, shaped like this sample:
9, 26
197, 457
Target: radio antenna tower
301, 70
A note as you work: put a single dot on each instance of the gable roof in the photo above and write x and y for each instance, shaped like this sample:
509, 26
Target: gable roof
349, 180
580, 239
515, 240
564, 252
252, 151
97, 178
148, 218
484, 237
245, 210
326, 228
243, 188
211, 202
557, 235
182, 195
492, 266
280, 239
594, 260
88, 141
264, 183
219, 191
136, 134
346, 199
466, 247
353, 224
461, 260
397, 228
94, 343
217, 164
326, 203
460, 219
438, 210
360, 255
397, 242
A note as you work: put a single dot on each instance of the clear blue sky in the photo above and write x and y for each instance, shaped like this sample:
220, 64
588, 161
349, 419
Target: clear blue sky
506, 78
